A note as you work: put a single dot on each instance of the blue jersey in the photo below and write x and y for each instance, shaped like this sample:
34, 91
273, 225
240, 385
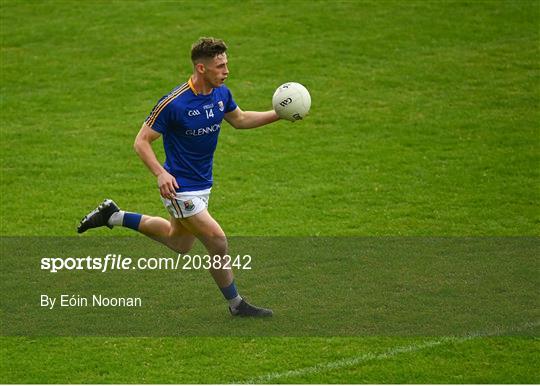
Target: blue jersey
190, 124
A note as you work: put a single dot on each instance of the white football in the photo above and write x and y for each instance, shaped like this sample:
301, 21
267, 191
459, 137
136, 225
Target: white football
291, 101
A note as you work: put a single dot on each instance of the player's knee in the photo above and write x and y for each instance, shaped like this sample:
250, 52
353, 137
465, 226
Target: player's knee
180, 245
218, 243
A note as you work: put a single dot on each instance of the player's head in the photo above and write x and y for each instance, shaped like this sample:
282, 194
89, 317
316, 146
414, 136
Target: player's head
206, 49
209, 59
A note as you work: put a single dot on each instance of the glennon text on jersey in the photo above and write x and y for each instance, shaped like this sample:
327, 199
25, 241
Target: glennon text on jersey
204, 130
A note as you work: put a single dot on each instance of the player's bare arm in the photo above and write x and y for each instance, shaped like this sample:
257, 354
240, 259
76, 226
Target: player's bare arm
143, 147
240, 119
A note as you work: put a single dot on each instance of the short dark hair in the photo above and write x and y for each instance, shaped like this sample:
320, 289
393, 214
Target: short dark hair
207, 48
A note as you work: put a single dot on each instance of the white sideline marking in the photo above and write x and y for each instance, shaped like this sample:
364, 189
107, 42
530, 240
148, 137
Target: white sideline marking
348, 362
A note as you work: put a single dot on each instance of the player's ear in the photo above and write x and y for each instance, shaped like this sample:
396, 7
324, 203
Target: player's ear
200, 68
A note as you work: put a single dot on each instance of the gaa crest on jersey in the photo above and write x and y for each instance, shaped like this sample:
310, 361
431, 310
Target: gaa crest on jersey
188, 205
221, 106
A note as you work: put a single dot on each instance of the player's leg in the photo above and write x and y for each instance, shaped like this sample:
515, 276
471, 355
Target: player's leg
171, 233
209, 232
187, 222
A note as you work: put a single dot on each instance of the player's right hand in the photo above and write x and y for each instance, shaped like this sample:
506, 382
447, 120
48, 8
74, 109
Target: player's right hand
167, 185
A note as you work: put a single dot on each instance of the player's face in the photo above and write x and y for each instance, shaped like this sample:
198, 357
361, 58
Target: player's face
216, 70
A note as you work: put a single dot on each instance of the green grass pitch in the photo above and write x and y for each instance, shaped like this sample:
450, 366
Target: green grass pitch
424, 122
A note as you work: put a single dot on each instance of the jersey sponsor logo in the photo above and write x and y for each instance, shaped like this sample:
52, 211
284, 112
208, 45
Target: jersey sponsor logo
193, 113
206, 107
204, 130
221, 106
